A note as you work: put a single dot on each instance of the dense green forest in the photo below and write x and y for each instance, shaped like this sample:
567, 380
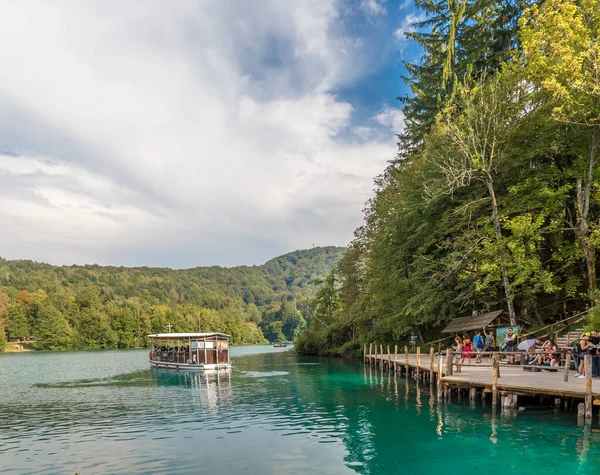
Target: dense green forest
493, 199
76, 307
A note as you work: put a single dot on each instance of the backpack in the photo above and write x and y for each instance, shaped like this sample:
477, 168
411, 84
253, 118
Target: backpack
576, 350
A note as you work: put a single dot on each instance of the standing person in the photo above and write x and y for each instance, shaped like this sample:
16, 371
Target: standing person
467, 344
510, 342
595, 352
583, 348
458, 347
478, 342
490, 342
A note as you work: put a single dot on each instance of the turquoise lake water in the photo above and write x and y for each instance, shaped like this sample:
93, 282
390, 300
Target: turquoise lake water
103, 412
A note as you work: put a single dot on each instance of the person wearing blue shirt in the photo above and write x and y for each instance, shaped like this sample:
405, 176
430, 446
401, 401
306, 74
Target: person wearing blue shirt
478, 342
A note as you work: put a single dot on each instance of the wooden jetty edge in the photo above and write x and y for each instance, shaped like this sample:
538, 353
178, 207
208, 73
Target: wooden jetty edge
506, 383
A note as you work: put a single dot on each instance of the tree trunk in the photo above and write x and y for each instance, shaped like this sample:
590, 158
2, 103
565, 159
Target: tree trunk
505, 280
584, 190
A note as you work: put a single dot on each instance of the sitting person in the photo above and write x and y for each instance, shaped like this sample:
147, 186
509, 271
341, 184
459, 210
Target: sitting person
547, 355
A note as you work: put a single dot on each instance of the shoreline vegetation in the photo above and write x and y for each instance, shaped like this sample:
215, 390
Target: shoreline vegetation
493, 199
103, 307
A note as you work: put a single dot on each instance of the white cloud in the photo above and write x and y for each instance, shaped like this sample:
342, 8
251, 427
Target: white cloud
407, 26
392, 118
373, 7
161, 132
405, 4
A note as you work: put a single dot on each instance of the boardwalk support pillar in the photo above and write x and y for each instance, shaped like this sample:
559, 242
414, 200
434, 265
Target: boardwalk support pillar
587, 360
496, 367
439, 378
418, 360
431, 362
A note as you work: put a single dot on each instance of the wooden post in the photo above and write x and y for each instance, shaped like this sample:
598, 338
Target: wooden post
364, 352
371, 352
496, 365
439, 378
381, 355
396, 357
406, 358
587, 360
389, 359
567, 365
472, 394
418, 360
431, 362
449, 357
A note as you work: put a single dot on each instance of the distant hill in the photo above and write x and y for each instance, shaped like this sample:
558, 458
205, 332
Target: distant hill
95, 306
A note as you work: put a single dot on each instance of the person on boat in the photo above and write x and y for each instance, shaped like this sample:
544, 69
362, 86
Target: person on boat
458, 347
583, 348
466, 348
479, 344
510, 342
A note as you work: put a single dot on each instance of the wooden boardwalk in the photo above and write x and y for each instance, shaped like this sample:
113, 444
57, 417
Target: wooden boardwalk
513, 378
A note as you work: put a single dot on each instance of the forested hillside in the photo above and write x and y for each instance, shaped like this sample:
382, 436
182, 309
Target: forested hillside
71, 307
493, 200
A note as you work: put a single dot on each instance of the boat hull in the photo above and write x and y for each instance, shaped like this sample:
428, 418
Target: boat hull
189, 367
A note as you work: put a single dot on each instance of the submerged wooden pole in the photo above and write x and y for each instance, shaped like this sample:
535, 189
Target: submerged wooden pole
449, 362
389, 361
418, 360
587, 361
431, 362
439, 378
496, 365
472, 394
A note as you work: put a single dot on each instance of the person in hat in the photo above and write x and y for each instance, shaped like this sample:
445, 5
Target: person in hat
583, 348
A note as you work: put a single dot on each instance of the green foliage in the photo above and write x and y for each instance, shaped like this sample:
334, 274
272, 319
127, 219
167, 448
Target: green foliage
75, 307
493, 202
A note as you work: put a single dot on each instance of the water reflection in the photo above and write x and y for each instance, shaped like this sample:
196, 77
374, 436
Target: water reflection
211, 388
270, 414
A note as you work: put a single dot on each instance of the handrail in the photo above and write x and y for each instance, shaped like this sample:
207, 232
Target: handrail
580, 314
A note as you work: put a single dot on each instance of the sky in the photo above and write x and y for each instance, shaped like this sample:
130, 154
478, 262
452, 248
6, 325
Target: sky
196, 132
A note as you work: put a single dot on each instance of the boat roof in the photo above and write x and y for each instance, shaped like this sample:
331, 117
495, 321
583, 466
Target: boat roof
178, 336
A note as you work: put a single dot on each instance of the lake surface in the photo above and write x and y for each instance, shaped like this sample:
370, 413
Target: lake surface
108, 412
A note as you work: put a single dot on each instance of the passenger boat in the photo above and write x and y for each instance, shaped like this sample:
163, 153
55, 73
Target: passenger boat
280, 345
189, 351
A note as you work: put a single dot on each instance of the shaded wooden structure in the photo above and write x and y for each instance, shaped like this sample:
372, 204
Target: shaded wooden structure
497, 318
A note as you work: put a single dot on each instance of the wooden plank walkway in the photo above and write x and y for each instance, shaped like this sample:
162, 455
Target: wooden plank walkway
512, 377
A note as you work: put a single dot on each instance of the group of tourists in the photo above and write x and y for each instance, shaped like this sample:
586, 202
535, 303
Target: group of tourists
531, 352
465, 348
